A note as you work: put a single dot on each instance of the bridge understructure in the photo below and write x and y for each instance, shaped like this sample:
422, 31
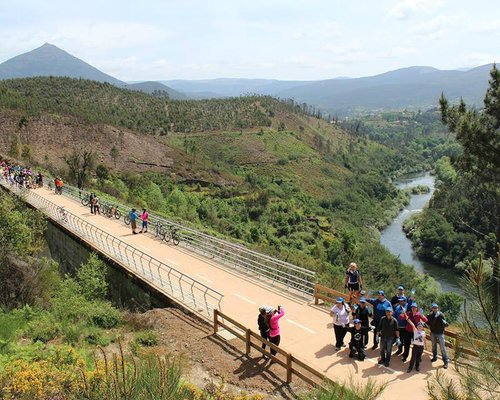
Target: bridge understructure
201, 282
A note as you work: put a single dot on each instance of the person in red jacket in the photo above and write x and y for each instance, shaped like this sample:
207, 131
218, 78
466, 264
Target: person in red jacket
416, 317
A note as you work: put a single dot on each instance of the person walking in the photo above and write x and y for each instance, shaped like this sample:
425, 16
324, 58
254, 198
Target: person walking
353, 281
263, 324
414, 316
133, 222
363, 313
144, 218
399, 311
380, 304
437, 323
340, 313
387, 329
357, 343
418, 342
274, 328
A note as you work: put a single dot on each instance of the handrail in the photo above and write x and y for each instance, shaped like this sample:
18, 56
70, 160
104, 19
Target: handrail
263, 268
181, 288
292, 364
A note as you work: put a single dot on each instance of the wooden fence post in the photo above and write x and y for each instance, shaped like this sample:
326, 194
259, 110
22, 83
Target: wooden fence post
316, 300
288, 368
248, 342
216, 320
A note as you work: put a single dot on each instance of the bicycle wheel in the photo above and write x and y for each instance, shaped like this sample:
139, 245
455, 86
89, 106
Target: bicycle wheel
175, 237
126, 219
167, 235
118, 214
85, 201
161, 233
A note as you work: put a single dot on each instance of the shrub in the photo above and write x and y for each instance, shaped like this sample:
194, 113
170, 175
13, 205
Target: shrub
146, 338
92, 278
43, 329
104, 315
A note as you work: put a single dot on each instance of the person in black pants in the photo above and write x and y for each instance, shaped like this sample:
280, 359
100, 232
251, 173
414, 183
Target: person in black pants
362, 312
357, 343
263, 327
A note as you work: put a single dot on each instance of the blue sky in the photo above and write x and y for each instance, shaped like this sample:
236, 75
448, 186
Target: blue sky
294, 39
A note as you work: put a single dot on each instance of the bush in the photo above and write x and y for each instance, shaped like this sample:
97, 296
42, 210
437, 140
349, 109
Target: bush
146, 338
104, 315
43, 329
92, 278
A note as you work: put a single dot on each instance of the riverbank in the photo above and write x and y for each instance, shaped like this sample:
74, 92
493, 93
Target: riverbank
394, 238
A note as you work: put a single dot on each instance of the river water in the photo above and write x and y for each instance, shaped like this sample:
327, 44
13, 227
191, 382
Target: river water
395, 240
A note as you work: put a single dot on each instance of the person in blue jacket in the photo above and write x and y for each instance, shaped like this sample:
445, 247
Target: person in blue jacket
379, 304
401, 309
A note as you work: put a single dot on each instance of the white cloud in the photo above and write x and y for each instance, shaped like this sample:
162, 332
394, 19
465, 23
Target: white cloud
487, 27
346, 53
406, 8
399, 51
475, 58
438, 27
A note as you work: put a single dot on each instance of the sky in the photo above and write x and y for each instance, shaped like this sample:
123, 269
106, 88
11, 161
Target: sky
278, 39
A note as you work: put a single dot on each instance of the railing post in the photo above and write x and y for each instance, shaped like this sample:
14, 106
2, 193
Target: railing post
247, 335
316, 300
216, 321
288, 368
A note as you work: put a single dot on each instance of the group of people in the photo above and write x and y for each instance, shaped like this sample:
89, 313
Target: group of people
394, 322
21, 176
133, 220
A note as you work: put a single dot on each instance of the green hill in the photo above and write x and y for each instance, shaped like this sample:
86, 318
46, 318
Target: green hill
254, 169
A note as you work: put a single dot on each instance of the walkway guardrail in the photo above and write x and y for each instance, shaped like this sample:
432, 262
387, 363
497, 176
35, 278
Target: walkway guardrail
176, 285
255, 265
292, 364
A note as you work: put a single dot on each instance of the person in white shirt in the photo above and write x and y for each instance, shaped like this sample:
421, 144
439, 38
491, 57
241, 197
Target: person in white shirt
418, 342
340, 313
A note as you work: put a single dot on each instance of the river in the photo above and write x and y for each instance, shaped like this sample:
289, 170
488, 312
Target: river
395, 240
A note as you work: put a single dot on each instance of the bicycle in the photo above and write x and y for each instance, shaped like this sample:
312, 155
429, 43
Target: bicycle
85, 201
63, 214
172, 234
159, 231
114, 212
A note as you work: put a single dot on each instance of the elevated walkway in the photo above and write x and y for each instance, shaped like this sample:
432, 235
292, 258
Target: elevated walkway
202, 284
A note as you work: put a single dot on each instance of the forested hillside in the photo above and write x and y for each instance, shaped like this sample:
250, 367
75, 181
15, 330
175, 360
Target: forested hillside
464, 216
253, 169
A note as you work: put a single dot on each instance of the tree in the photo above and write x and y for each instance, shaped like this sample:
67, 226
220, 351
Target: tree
114, 153
102, 173
478, 378
479, 135
15, 147
27, 152
80, 163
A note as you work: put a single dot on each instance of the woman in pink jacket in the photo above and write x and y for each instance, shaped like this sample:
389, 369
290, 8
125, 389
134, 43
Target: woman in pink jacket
274, 327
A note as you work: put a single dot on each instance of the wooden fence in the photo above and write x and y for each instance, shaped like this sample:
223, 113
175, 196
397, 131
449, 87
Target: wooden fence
330, 295
292, 364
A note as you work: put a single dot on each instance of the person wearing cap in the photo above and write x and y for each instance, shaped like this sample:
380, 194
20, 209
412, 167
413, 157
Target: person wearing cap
387, 329
358, 335
418, 341
263, 323
437, 323
362, 312
379, 306
400, 310
414, 316
395, 298
340, 313
353, 281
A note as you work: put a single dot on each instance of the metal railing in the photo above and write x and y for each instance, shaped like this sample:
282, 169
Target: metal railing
176, 285
257, 266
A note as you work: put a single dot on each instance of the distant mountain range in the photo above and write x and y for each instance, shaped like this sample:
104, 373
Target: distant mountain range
50, 60
406, 88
